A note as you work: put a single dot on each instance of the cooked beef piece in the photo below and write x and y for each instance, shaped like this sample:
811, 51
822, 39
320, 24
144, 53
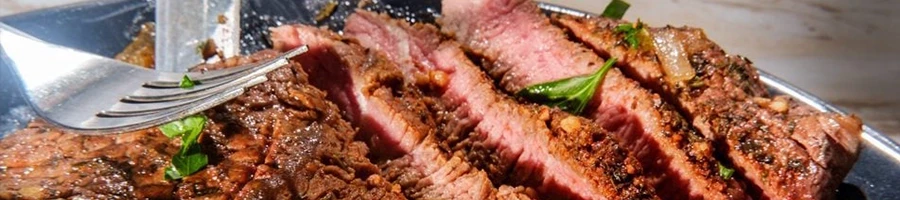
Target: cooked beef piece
429, 173
395, 115
141, 51
729, 73
789, 151
520, 47
559, 154
279, 139
42, 162
294, 140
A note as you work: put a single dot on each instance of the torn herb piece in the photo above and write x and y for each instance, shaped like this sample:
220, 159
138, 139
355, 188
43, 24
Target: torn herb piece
189, 158
186, 82
634, 34
186, 125
173, 129
725, 172
615, 9
193, 126
186, 164
172, 174
569, 94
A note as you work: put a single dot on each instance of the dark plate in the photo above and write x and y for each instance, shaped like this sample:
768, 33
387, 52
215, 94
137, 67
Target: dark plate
105, 27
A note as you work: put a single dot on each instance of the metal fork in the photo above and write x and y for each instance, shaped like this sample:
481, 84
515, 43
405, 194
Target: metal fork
90, 94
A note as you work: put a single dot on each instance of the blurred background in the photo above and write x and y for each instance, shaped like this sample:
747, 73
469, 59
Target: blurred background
846, 52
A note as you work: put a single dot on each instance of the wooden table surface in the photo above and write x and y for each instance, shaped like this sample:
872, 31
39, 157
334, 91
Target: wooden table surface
846, 52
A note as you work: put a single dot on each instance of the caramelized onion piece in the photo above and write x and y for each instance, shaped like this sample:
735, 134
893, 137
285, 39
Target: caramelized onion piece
672, 56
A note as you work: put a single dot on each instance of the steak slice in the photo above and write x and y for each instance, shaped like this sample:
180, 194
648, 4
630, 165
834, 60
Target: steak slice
787, 150
42, 162
398, 118
559, 154
279, 139
520, 47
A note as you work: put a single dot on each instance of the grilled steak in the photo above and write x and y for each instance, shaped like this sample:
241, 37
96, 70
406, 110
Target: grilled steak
375, 95
559, 154
40, 162
420, 120
787, 150
520, 47
280, 139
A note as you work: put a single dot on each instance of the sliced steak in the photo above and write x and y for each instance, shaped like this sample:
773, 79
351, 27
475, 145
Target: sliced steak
280, 139
787, 150
42, 162
520, 47
397, 117
559, 154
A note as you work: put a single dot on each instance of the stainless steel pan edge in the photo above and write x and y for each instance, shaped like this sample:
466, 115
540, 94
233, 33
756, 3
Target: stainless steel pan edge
104, 27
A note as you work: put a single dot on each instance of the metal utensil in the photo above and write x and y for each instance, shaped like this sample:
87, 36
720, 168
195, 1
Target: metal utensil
184, 28
95, 95
876, 173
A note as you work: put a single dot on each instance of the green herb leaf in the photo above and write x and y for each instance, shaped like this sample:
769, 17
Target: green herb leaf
189, 162
186, 164
186, 82
634, 33
193, 125
569, 94
189, 124
173, 129
189, 158
172, 173
725, 172
615, 9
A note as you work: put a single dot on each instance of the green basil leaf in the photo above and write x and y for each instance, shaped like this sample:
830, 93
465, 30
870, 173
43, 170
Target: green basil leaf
193, 127
173, 129
172, 173
725, 172
615, 9
634, 34
186, 82
189, 158
569, 94
192, 161
565, 93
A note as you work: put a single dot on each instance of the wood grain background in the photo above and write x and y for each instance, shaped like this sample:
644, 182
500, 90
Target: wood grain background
847, 52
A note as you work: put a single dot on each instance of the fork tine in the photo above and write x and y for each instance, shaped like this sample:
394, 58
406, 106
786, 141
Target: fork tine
237, 77
139, 109
149, 95
71, 89
204, 77
149, 120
